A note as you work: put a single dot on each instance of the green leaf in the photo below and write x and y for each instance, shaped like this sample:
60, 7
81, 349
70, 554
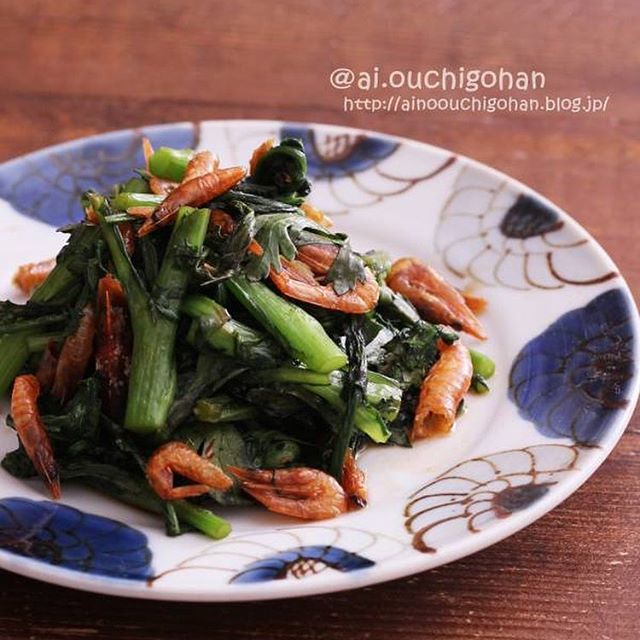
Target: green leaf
401, 426
278, 234
228, 253
346, 271
353, 392
380, 264
80, 419
259, 204
222, 444
271, 449
479, 384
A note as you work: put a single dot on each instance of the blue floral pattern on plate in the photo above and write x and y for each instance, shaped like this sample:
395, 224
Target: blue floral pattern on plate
572, 378
47, 185
300, 562
63, 536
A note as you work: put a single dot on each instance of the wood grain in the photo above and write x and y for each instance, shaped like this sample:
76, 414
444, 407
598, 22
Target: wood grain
74, 68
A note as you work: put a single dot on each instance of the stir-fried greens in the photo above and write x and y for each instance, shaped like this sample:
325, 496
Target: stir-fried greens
205, 338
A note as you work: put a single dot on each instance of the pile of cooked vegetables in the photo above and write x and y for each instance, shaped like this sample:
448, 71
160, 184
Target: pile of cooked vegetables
205, 338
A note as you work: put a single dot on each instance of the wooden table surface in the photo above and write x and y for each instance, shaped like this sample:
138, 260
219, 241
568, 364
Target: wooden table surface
74, 68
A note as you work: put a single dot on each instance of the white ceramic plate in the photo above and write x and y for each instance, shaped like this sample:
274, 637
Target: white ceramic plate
563, 330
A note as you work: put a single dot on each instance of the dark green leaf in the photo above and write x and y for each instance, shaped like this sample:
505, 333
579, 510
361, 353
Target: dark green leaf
211, 374
354, 392
259, 204
19, 317
284, 167
18, 464
228, 253
409, 356
223, 444
479, 384
80, 419
123, 485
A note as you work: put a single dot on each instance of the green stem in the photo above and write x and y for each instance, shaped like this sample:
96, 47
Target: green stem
63, 283
208, 312
294, 375
298, 332
152, 383
483, 365
38, 343
116, 482
202, 519
125, 200
385, 394
232, 338
170, 163
171, 522
13, 354
223, 408
34, 325
483, 369
136, 185
365, 418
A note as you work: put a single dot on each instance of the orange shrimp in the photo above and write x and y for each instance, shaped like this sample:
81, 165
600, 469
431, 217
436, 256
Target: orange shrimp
259, 153
46, 372
161, 186
297, 280
222, 221
147, 151
113, 346
354, 482
91, 216
203, 162
299, 492
433, 296
30, 276
178, 457
192, 193
442, 391
74, 356
141, 212
254, 248
313, 213
32, 432
225, 224
477, 304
